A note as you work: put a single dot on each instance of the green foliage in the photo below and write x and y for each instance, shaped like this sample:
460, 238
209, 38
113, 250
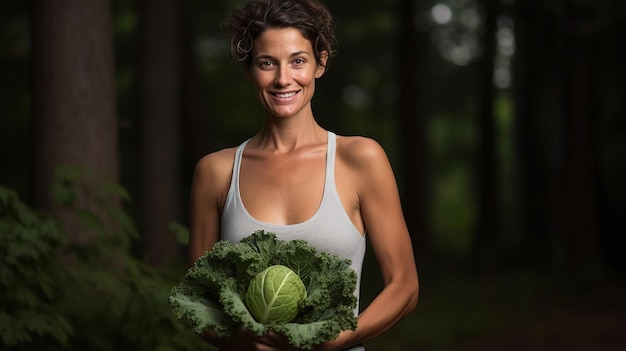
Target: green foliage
181, 232
61, 295
28, 275
211, 295
451, 139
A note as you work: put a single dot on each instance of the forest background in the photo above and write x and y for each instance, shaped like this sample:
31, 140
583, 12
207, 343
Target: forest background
504, 121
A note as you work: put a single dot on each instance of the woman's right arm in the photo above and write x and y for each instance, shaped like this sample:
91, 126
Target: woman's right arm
209, 187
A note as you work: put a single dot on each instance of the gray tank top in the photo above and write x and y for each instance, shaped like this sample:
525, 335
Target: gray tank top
328, 230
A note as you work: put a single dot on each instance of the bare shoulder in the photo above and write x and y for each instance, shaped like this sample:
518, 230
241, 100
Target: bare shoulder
215, 169
359, 151
216, 161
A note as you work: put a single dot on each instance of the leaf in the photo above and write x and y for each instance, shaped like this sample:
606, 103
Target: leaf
211, 294
203, 313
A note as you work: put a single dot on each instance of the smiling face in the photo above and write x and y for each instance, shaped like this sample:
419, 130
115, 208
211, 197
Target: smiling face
284, 70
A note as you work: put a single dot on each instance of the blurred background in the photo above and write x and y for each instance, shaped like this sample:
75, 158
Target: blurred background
505, 122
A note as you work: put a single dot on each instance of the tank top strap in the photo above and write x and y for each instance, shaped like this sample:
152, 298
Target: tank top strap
330, 161
234, 181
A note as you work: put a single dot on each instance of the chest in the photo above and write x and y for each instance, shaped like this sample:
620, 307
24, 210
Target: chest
283, 189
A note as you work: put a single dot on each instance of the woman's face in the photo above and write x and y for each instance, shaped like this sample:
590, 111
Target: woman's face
284, 70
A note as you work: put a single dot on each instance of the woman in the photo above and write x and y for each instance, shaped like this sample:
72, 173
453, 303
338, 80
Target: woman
297, 180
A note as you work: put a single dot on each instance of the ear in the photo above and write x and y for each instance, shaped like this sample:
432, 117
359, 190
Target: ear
321, 67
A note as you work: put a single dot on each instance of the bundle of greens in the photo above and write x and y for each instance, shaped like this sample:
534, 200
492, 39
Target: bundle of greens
262, 284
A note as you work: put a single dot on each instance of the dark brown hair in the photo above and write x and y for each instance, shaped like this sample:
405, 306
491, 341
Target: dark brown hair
311, 17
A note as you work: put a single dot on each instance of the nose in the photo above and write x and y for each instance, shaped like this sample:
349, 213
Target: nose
283, 77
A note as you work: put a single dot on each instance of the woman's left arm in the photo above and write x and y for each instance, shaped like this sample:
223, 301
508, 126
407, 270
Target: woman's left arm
387, 232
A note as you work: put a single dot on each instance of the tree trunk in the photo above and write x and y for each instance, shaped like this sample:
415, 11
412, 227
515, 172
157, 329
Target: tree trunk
578, 213
160, 128
74, 113
538, 137
413, 124
197, 124
556, 148
488, 209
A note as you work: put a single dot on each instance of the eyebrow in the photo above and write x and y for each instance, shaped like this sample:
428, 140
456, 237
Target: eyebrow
298, 53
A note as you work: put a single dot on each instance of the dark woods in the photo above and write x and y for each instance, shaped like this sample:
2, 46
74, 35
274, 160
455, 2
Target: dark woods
505, 122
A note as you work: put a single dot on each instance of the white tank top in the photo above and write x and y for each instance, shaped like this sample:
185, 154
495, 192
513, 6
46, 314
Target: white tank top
329, 230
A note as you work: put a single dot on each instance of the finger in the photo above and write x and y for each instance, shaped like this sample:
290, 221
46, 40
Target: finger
266, 347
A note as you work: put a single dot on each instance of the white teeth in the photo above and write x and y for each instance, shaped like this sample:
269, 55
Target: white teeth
287, 95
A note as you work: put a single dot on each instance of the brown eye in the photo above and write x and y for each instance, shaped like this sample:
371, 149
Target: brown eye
266, 64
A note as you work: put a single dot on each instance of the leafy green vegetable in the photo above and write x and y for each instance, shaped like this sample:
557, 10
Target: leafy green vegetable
275, 294
212, 295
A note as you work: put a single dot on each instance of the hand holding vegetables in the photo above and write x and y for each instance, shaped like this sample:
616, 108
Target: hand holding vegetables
262, 284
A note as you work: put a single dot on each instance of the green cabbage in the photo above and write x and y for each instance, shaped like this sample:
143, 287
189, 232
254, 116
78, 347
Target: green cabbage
275, 294
221, 292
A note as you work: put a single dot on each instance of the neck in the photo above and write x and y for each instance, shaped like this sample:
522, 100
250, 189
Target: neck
287, 135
